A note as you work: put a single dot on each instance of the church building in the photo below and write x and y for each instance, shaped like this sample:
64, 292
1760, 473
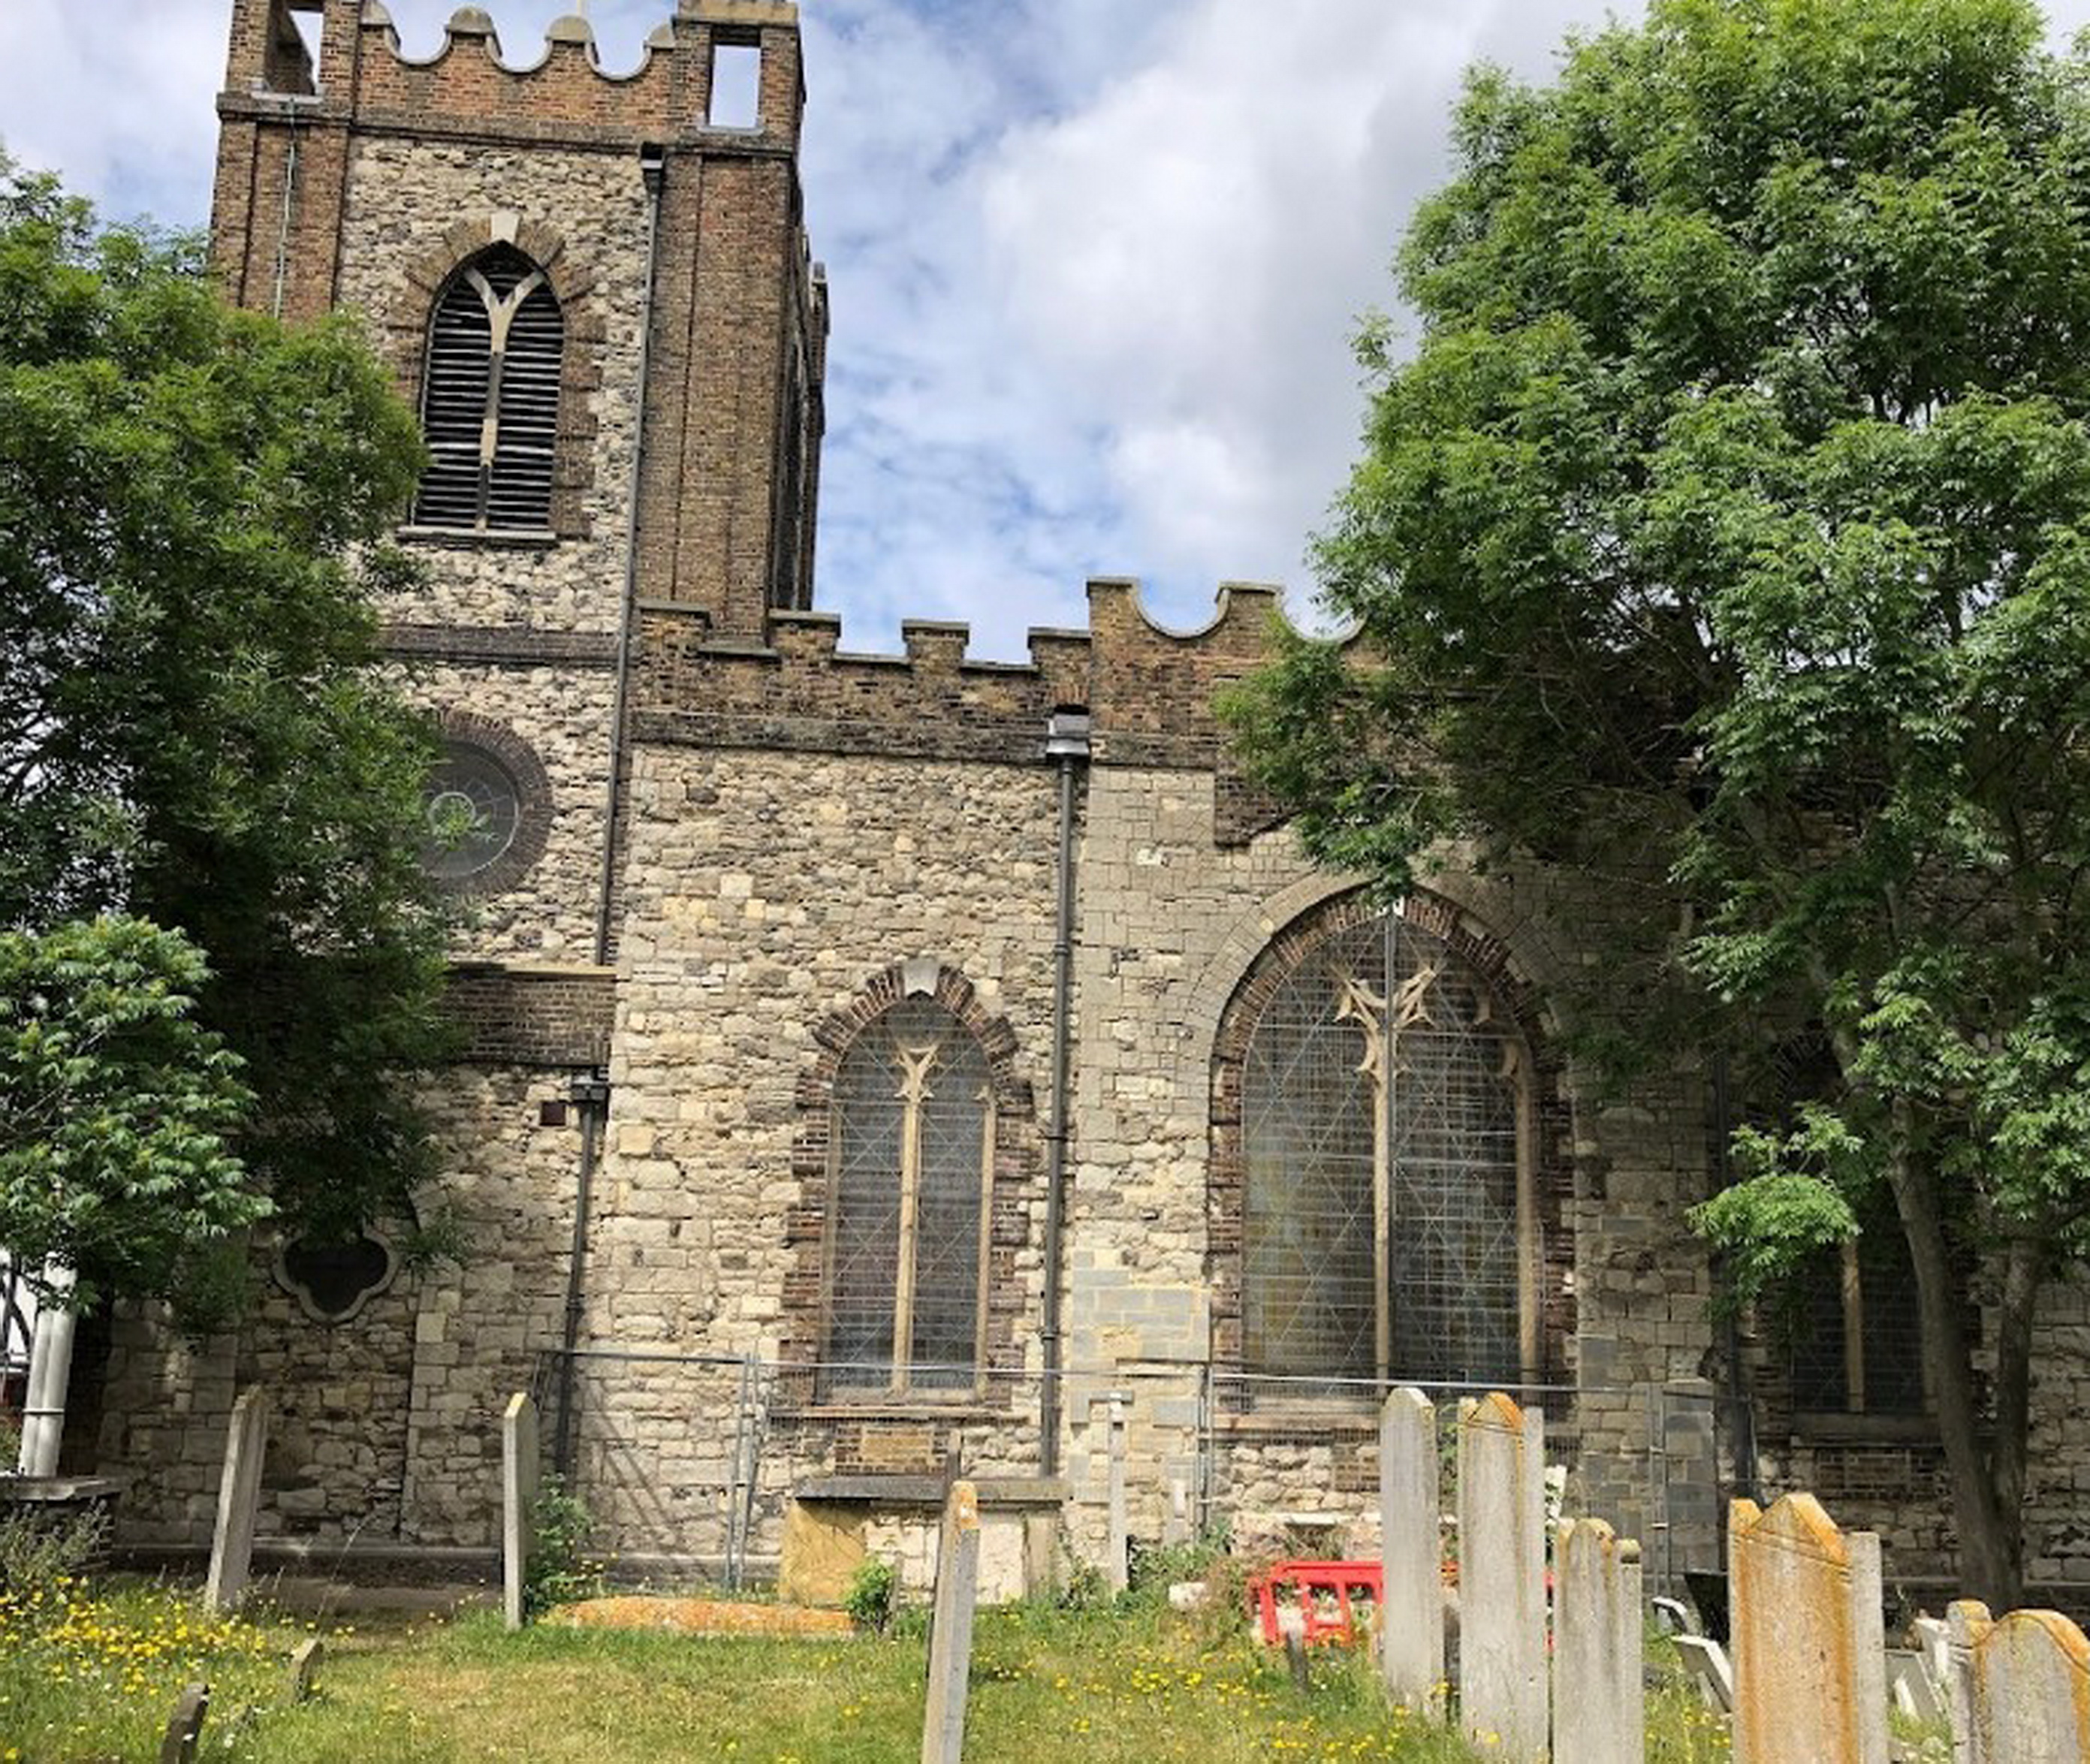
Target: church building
875, 1060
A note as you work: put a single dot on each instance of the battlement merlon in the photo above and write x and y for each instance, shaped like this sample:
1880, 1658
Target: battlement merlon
468, 89
1149, 689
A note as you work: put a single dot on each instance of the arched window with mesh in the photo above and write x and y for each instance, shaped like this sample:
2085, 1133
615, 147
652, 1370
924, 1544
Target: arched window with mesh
1386, 1229
490, 397
912, 1150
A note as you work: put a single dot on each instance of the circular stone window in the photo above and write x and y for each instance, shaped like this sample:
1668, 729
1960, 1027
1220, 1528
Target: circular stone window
485, 807
474, 806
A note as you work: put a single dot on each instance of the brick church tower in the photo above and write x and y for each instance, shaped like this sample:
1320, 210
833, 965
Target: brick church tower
596, 291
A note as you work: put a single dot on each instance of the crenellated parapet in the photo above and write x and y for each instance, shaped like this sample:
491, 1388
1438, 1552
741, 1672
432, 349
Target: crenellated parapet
1149, 691
799, 691
475, 86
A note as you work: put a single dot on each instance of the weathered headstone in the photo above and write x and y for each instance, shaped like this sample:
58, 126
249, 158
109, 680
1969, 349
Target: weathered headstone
1963, 1621
1933, 1640
520, 1465
1599, 1696
239, 1503
1410, 1507
1295, 1657
1705, 1664
1915, 1692
1176, 1528
1810, 1643
184, 1735
1501, 1577
950, 1638
2029, 1702
1118, 1567
304, 1667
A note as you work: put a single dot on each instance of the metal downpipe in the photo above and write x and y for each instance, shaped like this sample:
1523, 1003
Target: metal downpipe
1067, 741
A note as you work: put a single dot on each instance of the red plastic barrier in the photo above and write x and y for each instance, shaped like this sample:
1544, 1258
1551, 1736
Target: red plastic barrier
1323, 1590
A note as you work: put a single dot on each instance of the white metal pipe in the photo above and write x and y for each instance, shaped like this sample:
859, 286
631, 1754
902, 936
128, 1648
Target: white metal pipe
50, 1372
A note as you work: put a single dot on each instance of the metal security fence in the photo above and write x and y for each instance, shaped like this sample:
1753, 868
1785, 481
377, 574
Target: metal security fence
690, 1463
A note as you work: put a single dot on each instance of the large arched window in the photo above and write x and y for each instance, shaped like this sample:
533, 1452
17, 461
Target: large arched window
912, 1150
1388, 1229
490, 397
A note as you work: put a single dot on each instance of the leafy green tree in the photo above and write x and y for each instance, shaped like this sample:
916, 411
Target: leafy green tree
192, 729
1729, 527
116, 1157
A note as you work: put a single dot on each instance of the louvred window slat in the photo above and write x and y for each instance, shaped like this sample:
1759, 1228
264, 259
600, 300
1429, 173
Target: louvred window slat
490, 398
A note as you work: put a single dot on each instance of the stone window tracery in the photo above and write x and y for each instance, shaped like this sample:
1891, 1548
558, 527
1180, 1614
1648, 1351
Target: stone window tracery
912, 1152
1381, 1101
1857, 1332
490, 397
1392, 1156
487, 806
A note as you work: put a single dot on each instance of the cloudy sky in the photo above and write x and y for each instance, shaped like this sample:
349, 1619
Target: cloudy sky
1094, 262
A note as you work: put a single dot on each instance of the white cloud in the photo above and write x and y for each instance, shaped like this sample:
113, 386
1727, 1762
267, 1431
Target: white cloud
1094, 265
116, 95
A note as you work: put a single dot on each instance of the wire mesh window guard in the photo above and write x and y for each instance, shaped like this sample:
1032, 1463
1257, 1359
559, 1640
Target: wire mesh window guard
490, 397
1386, 1226
912, 1147
18, 1320
1857, 1333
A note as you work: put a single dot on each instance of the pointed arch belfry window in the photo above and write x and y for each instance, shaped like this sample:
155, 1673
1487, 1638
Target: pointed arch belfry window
490, 397
1388, 1228
912, 1141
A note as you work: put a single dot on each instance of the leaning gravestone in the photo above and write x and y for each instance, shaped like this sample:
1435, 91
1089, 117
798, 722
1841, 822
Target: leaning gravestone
2030, 1687
1501, 1577
1411, 1613
519, 1466
1599, 1696
304, 1668
1809, 1644
239, 1503
951, 1637
184, 1735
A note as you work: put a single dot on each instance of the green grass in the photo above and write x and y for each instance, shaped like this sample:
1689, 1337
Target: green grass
96, 1683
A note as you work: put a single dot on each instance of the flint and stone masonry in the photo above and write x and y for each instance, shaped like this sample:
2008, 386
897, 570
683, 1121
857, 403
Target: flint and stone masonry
704, 899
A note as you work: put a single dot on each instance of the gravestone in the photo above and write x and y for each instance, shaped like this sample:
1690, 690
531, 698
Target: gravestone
1410, 1506
1599, 1696
239, 1503
1118, 1566
1916, 1692
184, 1735
1501, 1577
519, 1468
1295, 1657
2030, 1701
951, 1637
1964, 1620
1705, 1664
1809, 1644
304, 1667
1933, 1640
1176, 1528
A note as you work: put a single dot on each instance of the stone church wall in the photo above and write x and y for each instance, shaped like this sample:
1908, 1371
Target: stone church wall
805, 835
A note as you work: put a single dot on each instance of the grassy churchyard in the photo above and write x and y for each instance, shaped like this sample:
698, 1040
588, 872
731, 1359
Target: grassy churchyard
89, 1674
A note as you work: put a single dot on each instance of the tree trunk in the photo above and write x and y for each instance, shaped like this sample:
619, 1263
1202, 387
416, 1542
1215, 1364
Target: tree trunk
1987, 1506
2023, 1265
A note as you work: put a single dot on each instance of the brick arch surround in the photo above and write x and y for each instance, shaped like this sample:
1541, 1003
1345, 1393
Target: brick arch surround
572, 285
1551, 1177
1018, 1183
